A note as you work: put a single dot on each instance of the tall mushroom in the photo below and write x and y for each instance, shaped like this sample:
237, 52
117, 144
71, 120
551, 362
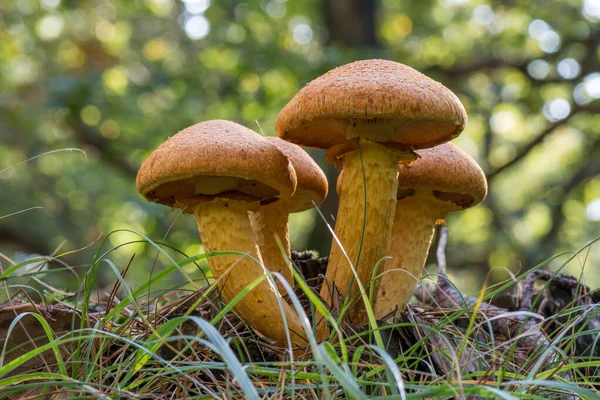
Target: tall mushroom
444, 180
368, 115
271, 219
219, 170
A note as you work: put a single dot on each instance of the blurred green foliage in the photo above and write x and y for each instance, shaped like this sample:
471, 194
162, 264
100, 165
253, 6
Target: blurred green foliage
116, 78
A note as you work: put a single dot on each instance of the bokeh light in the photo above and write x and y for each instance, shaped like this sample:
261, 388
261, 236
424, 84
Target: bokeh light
196, 6
50, 26
568, 68
197, 27
593, 210
557, 109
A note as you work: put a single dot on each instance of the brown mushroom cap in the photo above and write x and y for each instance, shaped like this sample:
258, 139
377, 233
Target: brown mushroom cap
215, 159
446, 172
312, 182
421, 111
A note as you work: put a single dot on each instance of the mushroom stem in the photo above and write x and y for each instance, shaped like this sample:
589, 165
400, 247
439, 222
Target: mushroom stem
365, 240
260, 308
269, 221
414, 223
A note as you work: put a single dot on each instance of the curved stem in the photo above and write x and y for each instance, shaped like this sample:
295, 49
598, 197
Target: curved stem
363, 225
224, 226
414, 223
268, 222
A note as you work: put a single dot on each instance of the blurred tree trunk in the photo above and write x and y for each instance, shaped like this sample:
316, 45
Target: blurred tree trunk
350, 24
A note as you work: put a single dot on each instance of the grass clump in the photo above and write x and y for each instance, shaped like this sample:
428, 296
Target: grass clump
185, 343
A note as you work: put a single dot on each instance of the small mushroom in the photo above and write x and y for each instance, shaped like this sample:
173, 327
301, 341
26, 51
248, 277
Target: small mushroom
444, 180
271, 220
220, 170
368, 115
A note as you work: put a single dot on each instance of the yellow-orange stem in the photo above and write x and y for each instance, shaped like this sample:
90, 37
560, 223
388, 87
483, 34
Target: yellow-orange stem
363, 228
414, 223
269, 222
224, 226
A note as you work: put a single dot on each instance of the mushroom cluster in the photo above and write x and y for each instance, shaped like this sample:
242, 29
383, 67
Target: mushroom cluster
385, 124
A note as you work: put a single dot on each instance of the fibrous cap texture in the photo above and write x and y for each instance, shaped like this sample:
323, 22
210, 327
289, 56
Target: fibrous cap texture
215, 158
312, 182
421, 111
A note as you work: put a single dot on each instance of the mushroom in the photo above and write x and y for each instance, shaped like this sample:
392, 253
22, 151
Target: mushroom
368, 115
219, 170
271, 220
444, 180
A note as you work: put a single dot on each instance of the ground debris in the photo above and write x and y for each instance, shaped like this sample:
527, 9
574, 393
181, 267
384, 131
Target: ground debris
28, 333
446, 335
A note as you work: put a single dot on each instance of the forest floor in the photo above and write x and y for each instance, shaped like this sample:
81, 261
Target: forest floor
534, 336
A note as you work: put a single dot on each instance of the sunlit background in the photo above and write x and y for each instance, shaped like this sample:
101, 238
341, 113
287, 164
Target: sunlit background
116, 78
